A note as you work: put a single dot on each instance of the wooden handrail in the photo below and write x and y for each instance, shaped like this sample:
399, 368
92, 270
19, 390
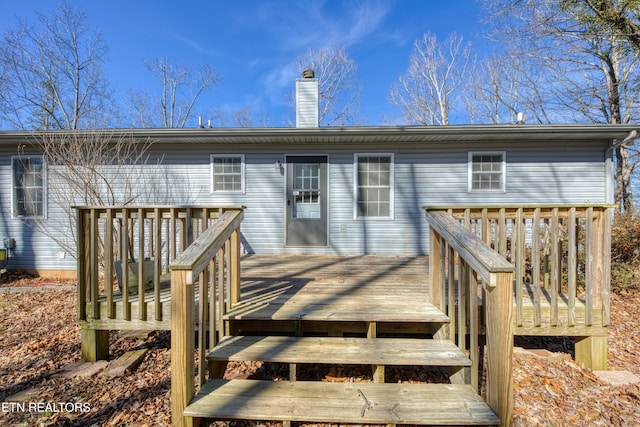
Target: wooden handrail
198, 255
458, 253
212, 262
475, 252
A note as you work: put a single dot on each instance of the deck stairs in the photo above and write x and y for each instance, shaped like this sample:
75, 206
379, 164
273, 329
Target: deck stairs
380, 344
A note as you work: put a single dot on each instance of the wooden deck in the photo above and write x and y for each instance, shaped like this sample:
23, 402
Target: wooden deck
310, 287
289, 289
301, 293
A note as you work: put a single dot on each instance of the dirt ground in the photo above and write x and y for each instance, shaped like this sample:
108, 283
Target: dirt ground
40, 342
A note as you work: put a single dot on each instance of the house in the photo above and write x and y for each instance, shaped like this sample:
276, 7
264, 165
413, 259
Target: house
353, 190
337, 191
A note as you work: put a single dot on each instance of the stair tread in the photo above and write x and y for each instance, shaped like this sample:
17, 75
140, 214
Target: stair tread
361, 403
363, 308
340, 350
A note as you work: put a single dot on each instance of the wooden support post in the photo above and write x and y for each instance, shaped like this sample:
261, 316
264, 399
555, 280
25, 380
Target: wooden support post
235, 267
592, 351
377, 370
436, 274
108, 263
142, 307
606, 264
93, 265
517, 249
294, 370
535, 267
500, 347
572, 249
372, 330
451, 292
157, 257
94, 344
124, 258
83, 259
182, 347
222, 294
217, 368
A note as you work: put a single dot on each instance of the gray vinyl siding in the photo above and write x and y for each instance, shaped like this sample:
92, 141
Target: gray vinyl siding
424, 175
33, 250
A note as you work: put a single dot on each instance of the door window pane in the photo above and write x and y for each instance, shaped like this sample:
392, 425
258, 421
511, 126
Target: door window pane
306, 191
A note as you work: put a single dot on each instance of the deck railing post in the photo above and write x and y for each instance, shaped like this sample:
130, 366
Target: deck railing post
499, 318
235, 267
182, 347
83, 271
435, 273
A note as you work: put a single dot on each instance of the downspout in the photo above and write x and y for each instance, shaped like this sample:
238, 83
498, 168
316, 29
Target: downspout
609, 167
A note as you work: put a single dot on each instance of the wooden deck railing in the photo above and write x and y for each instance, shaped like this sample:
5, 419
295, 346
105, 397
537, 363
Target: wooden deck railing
142, 241
562, 259
210, 266
458, 263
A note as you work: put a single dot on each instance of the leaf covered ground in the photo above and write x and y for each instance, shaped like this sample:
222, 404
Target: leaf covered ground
40, 338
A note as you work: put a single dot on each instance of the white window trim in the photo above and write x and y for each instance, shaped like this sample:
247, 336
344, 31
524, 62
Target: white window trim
13, 187
356, 156
503, 187
211, 174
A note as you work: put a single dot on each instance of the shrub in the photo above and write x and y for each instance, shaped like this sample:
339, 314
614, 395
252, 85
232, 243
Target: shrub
625, 250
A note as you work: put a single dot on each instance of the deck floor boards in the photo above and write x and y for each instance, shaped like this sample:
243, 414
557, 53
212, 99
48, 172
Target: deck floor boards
345, 288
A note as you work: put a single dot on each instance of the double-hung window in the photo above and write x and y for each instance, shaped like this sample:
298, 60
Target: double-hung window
227, 173
373, 185
487, 171
29, 192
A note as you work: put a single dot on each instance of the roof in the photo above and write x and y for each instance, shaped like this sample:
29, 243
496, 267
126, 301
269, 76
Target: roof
361, 134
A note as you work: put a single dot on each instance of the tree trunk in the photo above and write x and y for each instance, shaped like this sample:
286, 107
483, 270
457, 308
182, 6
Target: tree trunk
623, 194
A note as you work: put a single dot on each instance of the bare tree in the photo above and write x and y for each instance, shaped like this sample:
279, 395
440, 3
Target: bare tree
53, 73
225, 117
502, 86
99, 168
180, 89
591, 73
622, 17
430, 88
339, 85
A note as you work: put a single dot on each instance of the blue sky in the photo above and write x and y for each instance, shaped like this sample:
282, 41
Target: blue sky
252, 44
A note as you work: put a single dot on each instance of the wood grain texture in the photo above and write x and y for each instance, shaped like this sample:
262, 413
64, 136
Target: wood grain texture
340, 350
360, 403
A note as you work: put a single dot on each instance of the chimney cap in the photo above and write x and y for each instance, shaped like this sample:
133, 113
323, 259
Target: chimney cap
308, 74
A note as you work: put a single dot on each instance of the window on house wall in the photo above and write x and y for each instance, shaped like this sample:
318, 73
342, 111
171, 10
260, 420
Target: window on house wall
28, 179
487, 171
227, 173
374, 185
